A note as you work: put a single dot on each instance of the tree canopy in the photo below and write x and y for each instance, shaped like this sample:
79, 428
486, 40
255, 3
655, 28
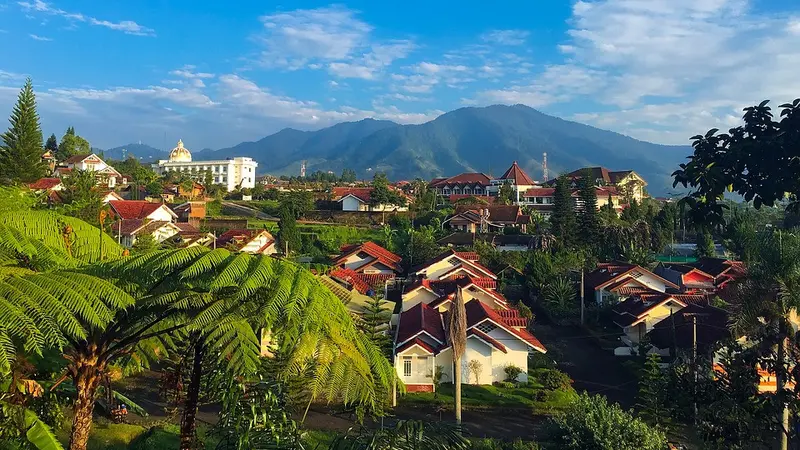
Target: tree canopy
21, 147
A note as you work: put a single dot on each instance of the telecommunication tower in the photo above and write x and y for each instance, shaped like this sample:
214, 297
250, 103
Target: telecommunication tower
545, 175
303, 169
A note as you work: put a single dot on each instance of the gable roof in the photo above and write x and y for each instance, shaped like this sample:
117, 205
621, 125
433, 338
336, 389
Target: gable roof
519, 176
635, 309
478, 312
451, 253
718, 266
137, 209
74, 159
134, 227
497, 213
608, 273
361, 193
362, 282
461, 179
44, 184
241, 237
712, 327
420, 319
374, 250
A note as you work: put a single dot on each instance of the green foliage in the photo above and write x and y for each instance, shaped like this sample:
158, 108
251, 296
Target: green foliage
591, 423
553, 379
21, 428
21, 146
418, 246
406, 435
761, 149
154, 189
705, 245
52, 145
563, 222
559, 297
375, 324
495, 444
71, 145
588, 220
381, 193
506, 195
288, 236
512, 372
144, 243
81, 197
296, 203
653, 392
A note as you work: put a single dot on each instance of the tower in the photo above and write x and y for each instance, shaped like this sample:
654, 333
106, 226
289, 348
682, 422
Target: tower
303, 169
545, 175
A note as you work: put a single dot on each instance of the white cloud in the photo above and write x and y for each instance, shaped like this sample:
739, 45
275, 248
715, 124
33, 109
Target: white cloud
36, 37
189, 73
126, 26
505, 37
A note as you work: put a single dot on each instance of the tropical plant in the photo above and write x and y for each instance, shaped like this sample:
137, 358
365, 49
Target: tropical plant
457, 338
475, 367
591, 423
405, 435
559, 295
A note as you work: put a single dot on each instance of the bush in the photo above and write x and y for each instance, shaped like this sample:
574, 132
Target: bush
512, 372
541, 360
505, 384
496, 444
554, 380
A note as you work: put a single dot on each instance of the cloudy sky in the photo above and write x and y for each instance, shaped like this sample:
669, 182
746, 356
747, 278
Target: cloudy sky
218, 73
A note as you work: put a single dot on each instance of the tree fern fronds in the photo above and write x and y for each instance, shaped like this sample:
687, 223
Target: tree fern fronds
208, 262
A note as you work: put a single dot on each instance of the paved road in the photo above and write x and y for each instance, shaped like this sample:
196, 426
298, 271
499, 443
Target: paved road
249, 212
594, 369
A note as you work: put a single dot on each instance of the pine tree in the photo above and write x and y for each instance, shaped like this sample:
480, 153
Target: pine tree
607, 214
374, 323
705, 244
588, 219
72, 144
52, 145
652, 397
288, 234
563, 221
21, 150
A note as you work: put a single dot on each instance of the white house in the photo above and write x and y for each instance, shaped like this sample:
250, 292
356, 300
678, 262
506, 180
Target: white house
497, 337
128, 231
259, 242
617, 280
106, 175
231, 172
358, 199
368, 258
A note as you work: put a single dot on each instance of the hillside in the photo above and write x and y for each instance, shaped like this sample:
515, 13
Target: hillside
140, 151
483, 139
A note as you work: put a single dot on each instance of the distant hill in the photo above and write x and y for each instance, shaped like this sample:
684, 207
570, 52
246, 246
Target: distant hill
486, 139
142, 152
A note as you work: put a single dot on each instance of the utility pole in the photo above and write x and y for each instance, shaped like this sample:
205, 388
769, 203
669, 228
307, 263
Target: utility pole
694, 357
583, 306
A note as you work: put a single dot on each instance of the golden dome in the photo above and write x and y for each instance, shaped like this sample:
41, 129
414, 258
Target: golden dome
180, 154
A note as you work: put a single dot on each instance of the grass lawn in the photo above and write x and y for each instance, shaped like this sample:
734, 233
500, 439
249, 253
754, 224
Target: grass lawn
318, 439
122, 436
532, 396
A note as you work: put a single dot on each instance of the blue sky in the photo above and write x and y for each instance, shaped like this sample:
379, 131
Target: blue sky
218, 73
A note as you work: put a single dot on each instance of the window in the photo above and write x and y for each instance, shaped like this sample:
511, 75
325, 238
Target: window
406, 366
486, 327
539, 200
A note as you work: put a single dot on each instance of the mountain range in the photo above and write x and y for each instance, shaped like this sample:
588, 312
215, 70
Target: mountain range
486, 139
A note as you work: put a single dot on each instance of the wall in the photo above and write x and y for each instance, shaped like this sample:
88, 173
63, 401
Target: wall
256, 244
161, 214
421, 295
477, 351
353, 204
422, 366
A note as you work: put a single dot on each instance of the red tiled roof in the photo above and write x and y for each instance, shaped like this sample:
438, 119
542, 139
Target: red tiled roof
485, 282
420, 318
74, 159
134, 209
44, 184
374, 250
351, 277
469, 256
413, 342
539, 192
187, 227
470, 178
497, 213
477, 312
125, 227
519, 176
512, 318
362, 193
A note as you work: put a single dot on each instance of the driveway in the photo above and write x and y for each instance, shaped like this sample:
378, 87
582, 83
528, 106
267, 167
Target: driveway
248, 211
593, 369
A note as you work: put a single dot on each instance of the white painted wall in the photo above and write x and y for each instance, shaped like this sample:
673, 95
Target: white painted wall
351, 203
256, 244
162, 214
422, 366
414, 298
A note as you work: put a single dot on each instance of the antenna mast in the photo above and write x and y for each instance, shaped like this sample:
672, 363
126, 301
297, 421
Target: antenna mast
545, 175
303, 169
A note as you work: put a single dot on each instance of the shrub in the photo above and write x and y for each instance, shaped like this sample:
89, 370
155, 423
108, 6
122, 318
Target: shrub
541, 396
541, 360
496, 444
512, 372
554, 380
505, 384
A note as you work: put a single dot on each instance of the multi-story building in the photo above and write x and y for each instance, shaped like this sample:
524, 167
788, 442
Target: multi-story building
231, 172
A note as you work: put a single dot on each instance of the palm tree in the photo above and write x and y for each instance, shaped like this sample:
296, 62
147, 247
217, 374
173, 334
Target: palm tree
767, 300
457, 337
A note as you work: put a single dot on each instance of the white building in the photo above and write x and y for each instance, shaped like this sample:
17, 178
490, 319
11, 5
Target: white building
232, 172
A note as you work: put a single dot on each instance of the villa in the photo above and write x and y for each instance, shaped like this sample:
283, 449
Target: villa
233, 173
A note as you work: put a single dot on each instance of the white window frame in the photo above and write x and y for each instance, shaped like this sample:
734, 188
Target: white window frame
407, 366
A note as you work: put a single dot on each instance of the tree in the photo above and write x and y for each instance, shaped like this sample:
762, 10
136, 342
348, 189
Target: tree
588, 220
288, 234
457, 338
81, 197
21, 150
406, 434
607, 214
591, 423
52, 145
563, 223
154, 189
145, 243
761, 149
348, 176
72, 144
375, 324
632, 213
559, 296
653, 392
705, 244
506, 194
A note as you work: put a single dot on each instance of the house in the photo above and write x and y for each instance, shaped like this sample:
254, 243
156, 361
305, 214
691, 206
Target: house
519, 181
190, 236
233, 173
355, 300
50, 161
502, 242
190, 210
140, 209
106, 175
109, 196
359, 199
482, 219
128, 231
46, 185
687, 277
542, 198
466, 184
678, 331
368, 258
629, 183
259, 242
496, 338
639, 313
723, 270
450, 264
619, 280
364, 283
